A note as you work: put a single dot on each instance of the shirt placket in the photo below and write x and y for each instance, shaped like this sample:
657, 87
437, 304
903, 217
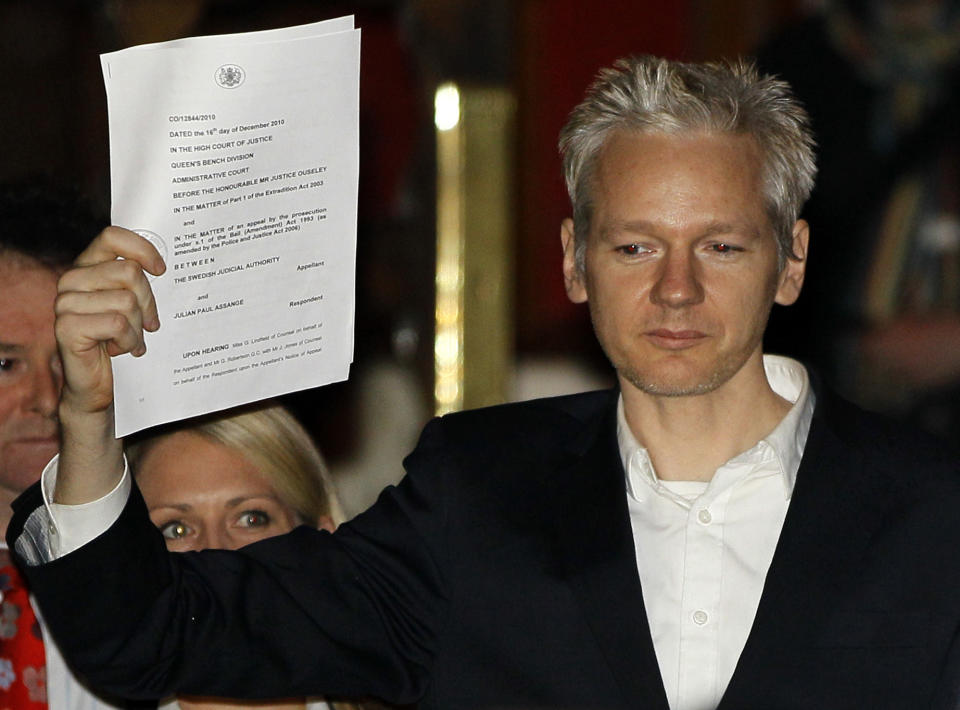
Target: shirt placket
700, 616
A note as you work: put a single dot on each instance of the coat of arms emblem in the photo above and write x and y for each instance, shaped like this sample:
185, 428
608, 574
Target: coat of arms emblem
230, 76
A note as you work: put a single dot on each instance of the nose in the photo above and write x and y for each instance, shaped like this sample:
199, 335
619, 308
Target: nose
678, 281
44, 392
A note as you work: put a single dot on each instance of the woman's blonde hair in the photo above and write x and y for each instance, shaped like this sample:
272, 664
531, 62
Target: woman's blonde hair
270, 438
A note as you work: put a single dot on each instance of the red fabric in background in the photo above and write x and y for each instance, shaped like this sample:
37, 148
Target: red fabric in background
23, 684
562, 44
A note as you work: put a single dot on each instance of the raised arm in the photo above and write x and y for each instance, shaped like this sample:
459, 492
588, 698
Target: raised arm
300, 614
103, 306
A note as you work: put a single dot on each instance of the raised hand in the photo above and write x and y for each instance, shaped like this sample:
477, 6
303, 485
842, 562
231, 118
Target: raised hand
103, 306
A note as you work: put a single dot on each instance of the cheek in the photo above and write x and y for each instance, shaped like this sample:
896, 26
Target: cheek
6, 424
12, 419
285, 524
605, 321
617, 296
754, 308
10, 399
741, 292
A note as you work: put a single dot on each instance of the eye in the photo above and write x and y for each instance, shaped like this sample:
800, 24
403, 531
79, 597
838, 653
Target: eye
174, 530
7, 364
633, 249
724, 248
253, 519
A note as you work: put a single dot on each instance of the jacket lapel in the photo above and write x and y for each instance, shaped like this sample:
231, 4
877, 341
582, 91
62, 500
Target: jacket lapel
597, 551
827, 528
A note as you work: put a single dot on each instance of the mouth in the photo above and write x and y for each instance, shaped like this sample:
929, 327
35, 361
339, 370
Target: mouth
675, 339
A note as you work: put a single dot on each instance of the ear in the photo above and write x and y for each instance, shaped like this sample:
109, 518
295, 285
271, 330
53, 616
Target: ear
325, 522
790, 280
572, 278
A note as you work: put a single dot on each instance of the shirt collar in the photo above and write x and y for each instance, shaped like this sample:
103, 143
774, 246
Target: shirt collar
789, 379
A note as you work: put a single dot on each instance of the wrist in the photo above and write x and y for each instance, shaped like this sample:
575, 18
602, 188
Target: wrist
91, 457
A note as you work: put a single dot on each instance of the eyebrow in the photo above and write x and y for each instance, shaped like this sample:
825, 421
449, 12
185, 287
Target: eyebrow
12, 347
243, 499
233, 502
645, 227
182, 507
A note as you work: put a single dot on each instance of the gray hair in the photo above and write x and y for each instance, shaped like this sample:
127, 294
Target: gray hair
651, 94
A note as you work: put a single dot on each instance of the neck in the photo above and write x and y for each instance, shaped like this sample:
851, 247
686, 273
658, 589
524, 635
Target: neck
689, 437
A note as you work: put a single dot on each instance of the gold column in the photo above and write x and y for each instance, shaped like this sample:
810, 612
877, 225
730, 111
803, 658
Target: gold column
473, 344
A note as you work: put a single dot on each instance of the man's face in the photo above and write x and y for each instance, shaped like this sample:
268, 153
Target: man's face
30, 373
681, 261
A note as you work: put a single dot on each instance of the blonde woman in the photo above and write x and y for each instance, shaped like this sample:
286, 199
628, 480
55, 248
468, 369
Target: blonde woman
225, 481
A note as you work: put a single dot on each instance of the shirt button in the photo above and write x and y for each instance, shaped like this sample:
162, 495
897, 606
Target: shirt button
700, 617
704, 516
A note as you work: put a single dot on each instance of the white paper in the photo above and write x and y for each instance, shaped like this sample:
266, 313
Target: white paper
237, 155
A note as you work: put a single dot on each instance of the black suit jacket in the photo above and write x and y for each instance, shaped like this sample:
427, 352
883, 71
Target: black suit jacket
501, 573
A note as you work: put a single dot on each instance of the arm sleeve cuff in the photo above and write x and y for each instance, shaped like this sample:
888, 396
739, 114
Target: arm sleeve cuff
70, 527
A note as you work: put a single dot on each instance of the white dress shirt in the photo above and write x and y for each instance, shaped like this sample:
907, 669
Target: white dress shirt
703, 549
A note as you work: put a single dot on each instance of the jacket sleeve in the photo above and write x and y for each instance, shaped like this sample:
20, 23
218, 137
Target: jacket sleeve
306, 613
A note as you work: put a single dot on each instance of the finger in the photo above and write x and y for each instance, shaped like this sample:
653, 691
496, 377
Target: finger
112, 276
80, 333
91, 328
98, 309
117, 242
86, 343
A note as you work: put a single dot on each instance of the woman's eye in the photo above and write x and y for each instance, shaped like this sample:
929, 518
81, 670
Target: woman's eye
254, 519
174, 530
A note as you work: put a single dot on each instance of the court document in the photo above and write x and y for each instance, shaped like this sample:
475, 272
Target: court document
237, 157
